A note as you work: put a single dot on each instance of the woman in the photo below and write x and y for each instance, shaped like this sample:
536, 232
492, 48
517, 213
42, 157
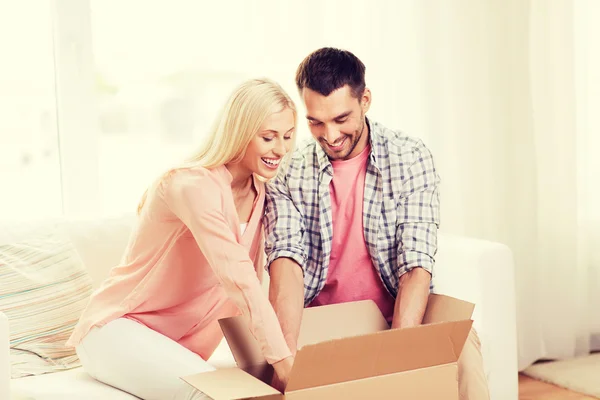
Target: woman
193, 258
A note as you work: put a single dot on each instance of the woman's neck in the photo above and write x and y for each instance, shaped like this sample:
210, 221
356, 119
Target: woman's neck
242, 180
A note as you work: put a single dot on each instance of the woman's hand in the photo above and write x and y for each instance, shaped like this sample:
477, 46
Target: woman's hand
282, 373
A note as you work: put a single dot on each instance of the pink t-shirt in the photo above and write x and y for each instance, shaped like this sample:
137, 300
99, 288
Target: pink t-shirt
351, 275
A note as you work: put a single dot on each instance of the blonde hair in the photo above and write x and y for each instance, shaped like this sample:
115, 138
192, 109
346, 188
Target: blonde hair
238, 123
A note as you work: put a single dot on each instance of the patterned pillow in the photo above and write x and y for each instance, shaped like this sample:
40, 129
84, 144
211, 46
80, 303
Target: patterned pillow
44, 289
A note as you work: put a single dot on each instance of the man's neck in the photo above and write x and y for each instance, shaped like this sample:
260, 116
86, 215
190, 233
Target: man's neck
363, 142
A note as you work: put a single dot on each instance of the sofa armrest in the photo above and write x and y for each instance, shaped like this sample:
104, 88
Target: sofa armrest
4, 358
483, 272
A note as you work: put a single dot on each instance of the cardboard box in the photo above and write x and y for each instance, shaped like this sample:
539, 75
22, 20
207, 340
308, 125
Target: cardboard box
347, 351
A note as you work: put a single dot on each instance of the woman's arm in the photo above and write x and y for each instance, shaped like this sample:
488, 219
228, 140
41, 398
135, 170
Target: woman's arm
197, 201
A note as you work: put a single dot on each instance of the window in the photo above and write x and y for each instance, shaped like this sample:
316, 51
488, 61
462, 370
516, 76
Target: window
102, 96
161, 78
29, 150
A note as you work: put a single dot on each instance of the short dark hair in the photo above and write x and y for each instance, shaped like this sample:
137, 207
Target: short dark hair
329, 69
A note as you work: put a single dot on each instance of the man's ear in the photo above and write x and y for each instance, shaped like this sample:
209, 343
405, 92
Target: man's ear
365, 100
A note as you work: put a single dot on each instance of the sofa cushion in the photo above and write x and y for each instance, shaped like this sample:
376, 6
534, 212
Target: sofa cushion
100, 242
44, 290
74, 384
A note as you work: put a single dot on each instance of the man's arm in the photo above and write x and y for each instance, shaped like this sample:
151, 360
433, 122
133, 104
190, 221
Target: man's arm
411, 302
286, 293
418, 220
286, 254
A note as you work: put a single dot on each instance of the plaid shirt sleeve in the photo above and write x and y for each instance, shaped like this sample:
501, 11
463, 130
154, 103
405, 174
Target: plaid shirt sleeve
284, 224
418, 213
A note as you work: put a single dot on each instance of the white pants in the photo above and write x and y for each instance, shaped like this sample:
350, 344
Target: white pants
140, 361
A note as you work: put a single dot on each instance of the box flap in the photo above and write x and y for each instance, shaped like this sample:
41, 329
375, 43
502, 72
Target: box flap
244, 347
380, 353
337, 321
229, 384
431, 383
441, 308
318, 324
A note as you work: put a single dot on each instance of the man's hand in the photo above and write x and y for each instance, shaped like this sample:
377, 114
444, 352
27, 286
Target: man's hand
413, 294
286, 293
282, 373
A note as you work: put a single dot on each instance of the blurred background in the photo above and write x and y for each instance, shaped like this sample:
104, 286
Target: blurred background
97, 97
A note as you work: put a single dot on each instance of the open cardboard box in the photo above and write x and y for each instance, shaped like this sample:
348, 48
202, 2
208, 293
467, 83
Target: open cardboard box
348, 351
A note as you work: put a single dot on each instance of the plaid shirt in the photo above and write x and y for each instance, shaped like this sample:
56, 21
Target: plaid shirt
400, 210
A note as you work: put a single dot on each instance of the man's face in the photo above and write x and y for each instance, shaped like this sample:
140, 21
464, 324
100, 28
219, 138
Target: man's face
337, 122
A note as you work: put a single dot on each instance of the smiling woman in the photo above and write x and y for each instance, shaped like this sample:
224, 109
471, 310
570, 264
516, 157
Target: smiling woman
195, 257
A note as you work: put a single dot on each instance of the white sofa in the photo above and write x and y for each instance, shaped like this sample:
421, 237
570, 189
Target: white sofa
474, 270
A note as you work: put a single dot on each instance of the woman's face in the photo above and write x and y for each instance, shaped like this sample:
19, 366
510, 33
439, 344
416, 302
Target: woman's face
272, 141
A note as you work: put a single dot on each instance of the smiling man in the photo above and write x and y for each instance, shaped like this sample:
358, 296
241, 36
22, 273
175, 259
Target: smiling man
355, 215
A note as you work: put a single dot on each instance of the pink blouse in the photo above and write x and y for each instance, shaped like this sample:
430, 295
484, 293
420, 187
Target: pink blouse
187, 265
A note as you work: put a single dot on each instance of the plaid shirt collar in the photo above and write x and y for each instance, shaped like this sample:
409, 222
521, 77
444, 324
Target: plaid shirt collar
374, 139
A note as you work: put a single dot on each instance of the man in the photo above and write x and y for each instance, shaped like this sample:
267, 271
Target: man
355, 215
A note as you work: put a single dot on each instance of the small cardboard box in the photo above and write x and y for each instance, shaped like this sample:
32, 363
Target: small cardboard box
348, 351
